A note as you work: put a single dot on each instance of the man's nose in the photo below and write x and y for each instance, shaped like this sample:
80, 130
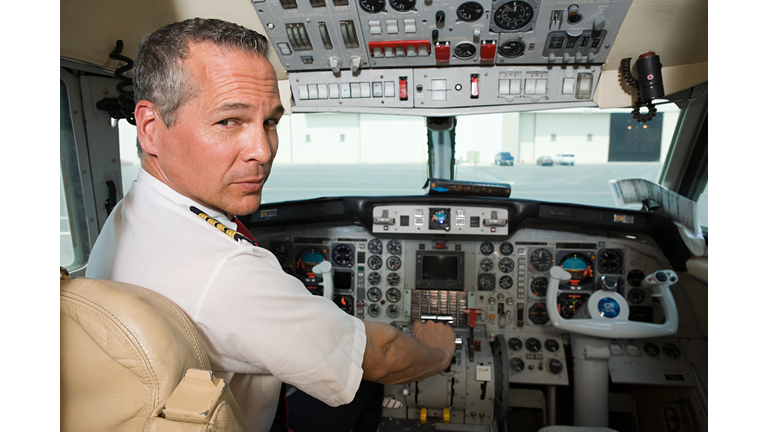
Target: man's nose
256, 146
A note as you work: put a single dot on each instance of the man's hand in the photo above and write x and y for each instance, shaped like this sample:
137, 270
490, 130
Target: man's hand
436, 335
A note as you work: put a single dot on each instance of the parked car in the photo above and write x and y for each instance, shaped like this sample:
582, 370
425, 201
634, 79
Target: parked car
565, 159
504, 158
544, 161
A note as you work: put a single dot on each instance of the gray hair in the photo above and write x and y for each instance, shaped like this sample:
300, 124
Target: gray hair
159, 75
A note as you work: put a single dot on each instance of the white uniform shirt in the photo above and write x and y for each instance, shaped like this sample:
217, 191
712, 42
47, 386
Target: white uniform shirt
259, 325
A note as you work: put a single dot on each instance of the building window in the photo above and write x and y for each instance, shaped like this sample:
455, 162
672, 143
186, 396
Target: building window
554, 137
341, 138
309, 139
589, 137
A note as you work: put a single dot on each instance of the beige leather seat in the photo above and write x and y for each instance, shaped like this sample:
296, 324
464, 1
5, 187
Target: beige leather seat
132, 361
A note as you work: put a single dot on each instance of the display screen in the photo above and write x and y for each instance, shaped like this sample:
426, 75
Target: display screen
440, 267
342, 280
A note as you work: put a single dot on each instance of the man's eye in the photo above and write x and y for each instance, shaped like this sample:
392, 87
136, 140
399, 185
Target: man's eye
226, 122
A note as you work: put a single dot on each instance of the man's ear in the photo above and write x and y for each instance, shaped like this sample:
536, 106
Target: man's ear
148, 124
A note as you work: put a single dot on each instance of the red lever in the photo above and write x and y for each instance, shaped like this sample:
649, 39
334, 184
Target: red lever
403, 88
473, 313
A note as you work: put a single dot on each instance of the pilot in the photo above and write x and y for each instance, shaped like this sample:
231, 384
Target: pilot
206, 119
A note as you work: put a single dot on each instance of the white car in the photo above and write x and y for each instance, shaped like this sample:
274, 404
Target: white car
565, 159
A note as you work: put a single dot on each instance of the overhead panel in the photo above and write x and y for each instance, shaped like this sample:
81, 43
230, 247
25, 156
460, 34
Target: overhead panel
503, 55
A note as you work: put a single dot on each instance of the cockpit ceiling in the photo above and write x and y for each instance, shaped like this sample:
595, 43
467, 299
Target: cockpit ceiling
676, 31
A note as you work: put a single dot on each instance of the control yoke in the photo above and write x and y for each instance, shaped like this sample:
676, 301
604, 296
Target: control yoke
608, 312
324, 269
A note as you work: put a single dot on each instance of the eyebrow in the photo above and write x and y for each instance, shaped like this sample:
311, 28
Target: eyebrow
234, 106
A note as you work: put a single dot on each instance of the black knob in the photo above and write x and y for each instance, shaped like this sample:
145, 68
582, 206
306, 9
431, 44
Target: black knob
661, 276
440, 19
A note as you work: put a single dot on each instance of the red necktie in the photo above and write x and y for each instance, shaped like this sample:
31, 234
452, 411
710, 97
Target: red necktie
244, 231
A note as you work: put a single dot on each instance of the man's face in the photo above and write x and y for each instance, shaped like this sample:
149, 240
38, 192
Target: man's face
220, 150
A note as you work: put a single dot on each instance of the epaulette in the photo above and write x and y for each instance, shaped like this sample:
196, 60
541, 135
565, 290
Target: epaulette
234, 235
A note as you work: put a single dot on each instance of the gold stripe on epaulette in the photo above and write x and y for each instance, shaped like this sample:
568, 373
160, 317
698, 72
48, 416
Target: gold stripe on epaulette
234, 235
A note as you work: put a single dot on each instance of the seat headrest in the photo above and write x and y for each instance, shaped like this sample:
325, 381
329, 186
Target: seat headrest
123, 350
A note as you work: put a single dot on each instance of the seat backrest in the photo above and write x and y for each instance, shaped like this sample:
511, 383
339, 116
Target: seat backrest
124, 349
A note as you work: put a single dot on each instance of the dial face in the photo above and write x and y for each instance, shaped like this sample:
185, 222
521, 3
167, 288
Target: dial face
308, 258
374, 310
372, 6
505, 282
539, 286
491, 301
374, 294
551, 345
568, 304
393, 295
610, 261
506, 265
343, 256
374, 246
486, 264
635, 278
394, 247
486, 282
465, 50
555, 366
345, 303
541, 259
513, 15
438, 219
470, 11
635, 296
402, 5
533, 345
505, 248
486, 248
671, 350
537, 313
374, 278
651, 349
516, 364
512, 49
633, 350
393, 311
393, 263
393, 279
580, 268
374, 262
515, 344
282, 251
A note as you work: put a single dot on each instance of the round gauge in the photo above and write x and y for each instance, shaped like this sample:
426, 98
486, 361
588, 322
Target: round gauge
486, 264
374, 262
470, 11
671, 350
513, 15
512, 49
374, 246
538, 314
465, 50
372, 6
393, 263
516, 364
374, 310
610, 261
555, 366
374, 294
500, 297
308, 258
551, 345
635, 296
633, 350
402, 5
580, 268
541, 259
393, 295
394, 247
393, 279
486, 282
651, 349
533, 345
491, 301
343, 256
539, 286
635, 278
282, 251
393, 311
345, 303
374, 278
486, 248
505, 248
506, 265
569, 304
505, 282
438, 219
515, 344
